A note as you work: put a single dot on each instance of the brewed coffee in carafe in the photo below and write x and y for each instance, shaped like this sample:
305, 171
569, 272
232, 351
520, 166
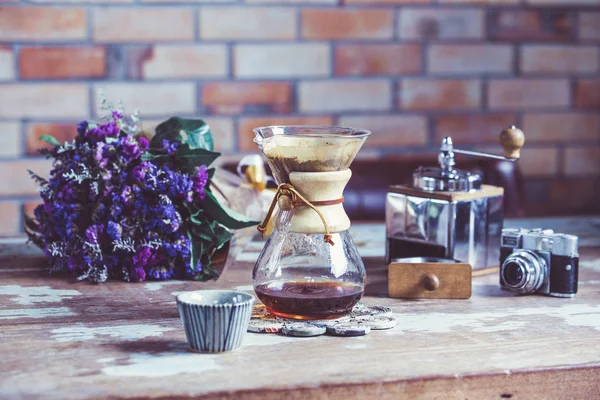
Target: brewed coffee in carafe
309, 267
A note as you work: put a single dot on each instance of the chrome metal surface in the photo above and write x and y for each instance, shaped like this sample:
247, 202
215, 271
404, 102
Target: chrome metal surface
447, 151
438, 179
468, 231
559, 244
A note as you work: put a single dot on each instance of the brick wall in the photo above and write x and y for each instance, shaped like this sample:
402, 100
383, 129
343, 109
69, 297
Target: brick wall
411, 70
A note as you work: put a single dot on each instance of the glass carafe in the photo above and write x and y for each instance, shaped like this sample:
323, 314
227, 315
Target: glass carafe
310, 267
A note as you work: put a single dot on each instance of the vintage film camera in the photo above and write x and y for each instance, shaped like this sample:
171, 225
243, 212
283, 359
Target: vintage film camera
539, 261
449, 213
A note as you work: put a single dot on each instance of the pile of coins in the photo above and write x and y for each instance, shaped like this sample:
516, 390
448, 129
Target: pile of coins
360, 321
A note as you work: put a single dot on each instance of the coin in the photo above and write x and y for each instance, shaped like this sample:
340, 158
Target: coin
260, 311
370, 310
265, 325
377, 322
302, 329
348, 329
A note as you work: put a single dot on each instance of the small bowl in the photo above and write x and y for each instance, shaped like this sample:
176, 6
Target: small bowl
215, 320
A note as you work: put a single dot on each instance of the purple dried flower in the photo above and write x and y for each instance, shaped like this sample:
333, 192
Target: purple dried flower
144, 143
82, 127
107, 213
138, 274
200, 181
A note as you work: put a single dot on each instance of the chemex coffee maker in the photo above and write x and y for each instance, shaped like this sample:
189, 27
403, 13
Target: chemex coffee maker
448, 213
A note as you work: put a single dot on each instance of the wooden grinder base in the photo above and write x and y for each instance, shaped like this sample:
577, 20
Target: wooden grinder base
429, 280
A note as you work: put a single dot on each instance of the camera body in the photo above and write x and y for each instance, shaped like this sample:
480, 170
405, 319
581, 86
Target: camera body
539, 261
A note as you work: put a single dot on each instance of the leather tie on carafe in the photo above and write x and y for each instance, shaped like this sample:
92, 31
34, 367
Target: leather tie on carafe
288, 197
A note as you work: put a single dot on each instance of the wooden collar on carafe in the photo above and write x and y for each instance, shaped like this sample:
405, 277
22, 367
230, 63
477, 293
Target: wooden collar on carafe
287, 197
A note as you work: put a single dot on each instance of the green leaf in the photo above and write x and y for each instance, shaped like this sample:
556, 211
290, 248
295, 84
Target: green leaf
224, 215
222, 234
193, 132
50, 139
190, 159
148, 156
196, 250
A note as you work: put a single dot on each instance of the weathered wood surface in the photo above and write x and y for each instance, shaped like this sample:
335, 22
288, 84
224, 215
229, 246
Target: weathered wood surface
71, 340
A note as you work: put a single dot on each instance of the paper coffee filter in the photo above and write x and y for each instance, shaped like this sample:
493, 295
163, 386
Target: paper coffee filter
305, 153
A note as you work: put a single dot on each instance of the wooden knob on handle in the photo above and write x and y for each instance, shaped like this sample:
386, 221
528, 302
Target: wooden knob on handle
512, 139
431, 282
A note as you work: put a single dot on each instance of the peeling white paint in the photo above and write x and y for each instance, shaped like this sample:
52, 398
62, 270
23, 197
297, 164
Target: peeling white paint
245, 288
496, 321
268, 339
590, 264
81, 333
28, 295
165, 364
355, 346
155, 286
36, 313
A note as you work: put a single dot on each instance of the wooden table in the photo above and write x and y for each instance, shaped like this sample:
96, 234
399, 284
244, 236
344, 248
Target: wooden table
72, 340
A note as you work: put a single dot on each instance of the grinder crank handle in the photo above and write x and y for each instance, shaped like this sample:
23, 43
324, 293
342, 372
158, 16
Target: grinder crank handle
511, 139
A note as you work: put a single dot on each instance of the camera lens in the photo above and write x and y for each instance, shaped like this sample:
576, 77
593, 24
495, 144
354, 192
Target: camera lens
513, 274
523, 271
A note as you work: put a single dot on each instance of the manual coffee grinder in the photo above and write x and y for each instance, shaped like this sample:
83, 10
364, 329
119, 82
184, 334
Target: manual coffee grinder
309, 267
448, 213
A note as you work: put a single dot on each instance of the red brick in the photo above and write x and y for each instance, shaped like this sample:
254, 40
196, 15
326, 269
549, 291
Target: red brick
152, 99
247, 23
281, 60
245, 134
48, 100
178, 61
16, 180
470, 59
528, 93
390, 130
344, 95
538, 161
10, 218
10, 139
323, 23
440, 23
62, 131
539, 24
472, 129
589, 25
559, 59
7, 62
582, 161
440, 94
383, 59
114, 25
42, 23
561, 127
62, 62
236, 97
587, 93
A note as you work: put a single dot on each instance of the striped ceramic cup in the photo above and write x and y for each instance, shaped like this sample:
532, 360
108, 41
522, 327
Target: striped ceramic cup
215, 320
